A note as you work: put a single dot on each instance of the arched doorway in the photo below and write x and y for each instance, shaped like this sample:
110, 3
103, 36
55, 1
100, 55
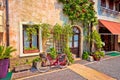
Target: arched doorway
75, 41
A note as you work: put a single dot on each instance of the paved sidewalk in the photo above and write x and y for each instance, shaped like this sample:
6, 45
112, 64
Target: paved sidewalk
110, 67
89, 73
61, 74
77, 71
73, 72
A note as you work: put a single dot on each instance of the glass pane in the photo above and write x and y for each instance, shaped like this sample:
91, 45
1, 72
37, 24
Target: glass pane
76, 44
26, 42
76, 37
34, 41
70, 44
76, 30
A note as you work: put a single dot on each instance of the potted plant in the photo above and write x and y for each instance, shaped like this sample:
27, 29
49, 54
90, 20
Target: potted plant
98, 54
4, 59
97, 42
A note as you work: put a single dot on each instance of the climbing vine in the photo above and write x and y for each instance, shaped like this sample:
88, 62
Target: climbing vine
57, 31
80, 11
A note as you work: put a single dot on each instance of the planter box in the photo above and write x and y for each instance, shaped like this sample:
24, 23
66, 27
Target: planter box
30, 51
4, 63
22, 68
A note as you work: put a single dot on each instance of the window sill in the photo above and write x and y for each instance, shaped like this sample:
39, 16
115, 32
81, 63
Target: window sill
28, 54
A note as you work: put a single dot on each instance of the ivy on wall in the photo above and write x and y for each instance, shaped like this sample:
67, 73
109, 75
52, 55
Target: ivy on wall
79, 11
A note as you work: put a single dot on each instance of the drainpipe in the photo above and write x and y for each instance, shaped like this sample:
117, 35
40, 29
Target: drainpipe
7, 23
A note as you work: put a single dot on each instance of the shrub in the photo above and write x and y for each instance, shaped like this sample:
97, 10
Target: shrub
69, 54
85, 55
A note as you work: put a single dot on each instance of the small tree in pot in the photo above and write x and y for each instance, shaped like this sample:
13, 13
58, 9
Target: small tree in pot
4, 59
96, 39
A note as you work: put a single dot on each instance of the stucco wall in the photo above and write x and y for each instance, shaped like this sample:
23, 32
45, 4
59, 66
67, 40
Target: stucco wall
48, 11
104, 14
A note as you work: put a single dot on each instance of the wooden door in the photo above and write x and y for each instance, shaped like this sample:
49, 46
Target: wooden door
75, 41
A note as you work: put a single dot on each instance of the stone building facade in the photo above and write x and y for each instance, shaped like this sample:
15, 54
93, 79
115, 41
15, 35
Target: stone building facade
25, 12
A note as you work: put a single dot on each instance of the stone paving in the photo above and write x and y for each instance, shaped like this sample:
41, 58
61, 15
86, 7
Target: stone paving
88, 73
57, 74
66, 74
110, 67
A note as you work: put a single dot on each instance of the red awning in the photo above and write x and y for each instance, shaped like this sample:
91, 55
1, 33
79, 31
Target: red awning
113, 27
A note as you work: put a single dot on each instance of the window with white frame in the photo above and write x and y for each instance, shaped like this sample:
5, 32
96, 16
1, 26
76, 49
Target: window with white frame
31, 46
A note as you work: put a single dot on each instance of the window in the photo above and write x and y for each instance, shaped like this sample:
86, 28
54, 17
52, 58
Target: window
75, 38
117, 6
111, 3
32, 45
103, 3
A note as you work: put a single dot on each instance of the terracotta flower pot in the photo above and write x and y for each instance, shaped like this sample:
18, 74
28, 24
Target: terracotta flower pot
96, 58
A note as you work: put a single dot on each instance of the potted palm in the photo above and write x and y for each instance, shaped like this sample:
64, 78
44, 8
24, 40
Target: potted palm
4, 59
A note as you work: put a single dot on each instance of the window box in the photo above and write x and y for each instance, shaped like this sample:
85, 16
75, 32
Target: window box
31, 51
